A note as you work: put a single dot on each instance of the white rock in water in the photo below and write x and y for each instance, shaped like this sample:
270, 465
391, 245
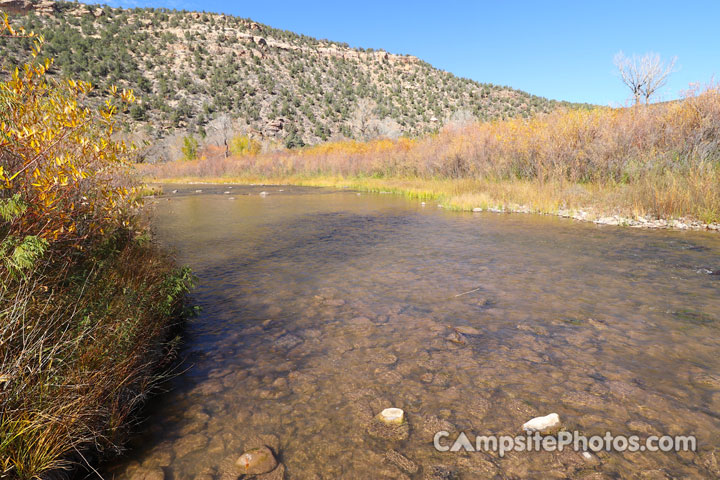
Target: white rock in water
545, 425
198, 191
226, 193
263, 193
257, 461
174, 191
422, 203
393, 416
477, 209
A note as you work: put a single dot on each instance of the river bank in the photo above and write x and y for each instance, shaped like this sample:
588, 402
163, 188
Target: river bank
587, 203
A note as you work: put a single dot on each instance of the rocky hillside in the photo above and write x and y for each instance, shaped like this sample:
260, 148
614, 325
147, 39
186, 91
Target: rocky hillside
215, 76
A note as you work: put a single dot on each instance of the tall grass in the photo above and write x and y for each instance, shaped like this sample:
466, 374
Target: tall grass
659, 160
81, 349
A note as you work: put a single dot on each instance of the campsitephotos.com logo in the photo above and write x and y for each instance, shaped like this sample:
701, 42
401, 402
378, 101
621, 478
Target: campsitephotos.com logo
535, 442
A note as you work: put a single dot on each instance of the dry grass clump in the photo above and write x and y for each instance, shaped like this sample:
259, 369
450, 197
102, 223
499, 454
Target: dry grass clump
81, 348
660, 160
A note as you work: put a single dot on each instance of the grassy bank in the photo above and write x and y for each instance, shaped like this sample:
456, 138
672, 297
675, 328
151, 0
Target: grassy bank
88, 304
650, 162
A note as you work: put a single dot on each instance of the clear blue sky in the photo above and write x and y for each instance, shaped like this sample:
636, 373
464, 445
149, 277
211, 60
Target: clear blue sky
562, 50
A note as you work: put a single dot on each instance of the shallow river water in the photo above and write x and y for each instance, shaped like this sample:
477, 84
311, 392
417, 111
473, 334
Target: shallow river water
320, 308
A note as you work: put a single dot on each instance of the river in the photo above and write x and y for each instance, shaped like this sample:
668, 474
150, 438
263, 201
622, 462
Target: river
320, 308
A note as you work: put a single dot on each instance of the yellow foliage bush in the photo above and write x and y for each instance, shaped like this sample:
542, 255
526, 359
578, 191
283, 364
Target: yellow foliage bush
243, 145
57, 157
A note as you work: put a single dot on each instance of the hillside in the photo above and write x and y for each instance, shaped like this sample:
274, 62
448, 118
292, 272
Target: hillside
215, 75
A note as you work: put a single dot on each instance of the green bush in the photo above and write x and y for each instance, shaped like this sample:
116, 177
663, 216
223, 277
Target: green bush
190, 148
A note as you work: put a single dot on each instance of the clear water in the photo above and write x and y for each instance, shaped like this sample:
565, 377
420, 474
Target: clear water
320, 308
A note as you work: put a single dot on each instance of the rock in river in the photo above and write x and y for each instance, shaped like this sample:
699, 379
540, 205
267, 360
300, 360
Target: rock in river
389, 424
547, 425
287, 341
439, 472
256, 461
466, 330
392, 416
401, 461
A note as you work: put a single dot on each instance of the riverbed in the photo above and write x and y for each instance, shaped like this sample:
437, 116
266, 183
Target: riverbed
320, 308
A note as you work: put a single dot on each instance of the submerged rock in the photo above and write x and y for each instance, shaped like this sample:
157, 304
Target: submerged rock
456, 337
547, 425
401, 461
287, 341
466, 330
335, 302
148, 474
189, 444
256, 461
439, 472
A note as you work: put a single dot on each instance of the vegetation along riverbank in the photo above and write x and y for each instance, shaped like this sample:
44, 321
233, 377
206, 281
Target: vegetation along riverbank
87, 301
647, 165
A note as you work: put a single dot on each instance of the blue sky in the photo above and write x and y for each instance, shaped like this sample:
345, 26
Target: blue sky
562, 50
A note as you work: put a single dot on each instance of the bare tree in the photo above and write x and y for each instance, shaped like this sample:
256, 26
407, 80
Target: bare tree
644, 75
460, 118
362, 117
219, 131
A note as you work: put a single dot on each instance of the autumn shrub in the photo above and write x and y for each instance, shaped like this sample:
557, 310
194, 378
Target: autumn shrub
244, 145
87, 301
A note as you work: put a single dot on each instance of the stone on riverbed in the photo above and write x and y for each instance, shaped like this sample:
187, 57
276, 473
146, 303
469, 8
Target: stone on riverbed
390, 424
392, 416
466, 330
256, 461
547, 425
148, 474
439, 472
456, 337
287, 341
401, 461
189, 444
